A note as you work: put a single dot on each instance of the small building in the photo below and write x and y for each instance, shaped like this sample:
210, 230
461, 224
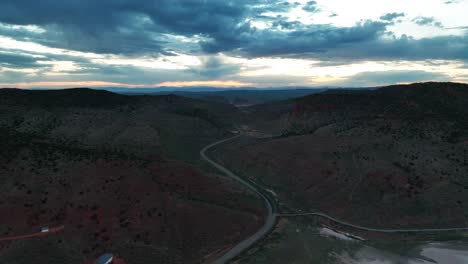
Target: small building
105, 259
45, 229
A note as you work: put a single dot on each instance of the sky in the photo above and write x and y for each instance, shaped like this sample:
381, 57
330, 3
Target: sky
231, 43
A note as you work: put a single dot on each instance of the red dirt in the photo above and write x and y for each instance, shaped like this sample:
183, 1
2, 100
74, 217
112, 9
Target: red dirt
116, 202
52, 231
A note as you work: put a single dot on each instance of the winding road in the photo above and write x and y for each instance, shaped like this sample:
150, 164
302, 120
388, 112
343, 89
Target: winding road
270, 218
378, 230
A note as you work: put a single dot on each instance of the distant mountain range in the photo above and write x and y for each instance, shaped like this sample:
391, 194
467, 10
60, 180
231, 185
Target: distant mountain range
205, 89
236, 96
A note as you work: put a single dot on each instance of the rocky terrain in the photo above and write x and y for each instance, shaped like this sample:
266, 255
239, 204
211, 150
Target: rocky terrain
393, 157
118, 172
122, 174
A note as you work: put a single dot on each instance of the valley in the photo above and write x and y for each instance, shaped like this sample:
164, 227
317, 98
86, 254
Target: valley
191, 181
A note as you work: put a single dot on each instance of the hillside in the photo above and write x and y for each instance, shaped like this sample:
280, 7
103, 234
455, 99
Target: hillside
113, 170
147, 125
394, 157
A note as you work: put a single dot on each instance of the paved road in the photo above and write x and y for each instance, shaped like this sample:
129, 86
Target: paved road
54, 230
379, 230
271, 216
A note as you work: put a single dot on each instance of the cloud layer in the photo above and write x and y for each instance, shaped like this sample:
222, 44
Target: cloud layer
146, 42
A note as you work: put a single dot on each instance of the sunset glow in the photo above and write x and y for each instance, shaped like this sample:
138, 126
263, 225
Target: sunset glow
293, 43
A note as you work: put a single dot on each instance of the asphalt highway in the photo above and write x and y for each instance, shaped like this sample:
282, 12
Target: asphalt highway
272, 215
270, 218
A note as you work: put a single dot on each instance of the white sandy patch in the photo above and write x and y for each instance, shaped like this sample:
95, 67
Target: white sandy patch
432, 253
327, 232
368, 255
441, 254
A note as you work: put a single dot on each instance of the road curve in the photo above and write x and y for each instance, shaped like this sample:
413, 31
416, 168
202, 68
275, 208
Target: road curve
271, 216
379, 230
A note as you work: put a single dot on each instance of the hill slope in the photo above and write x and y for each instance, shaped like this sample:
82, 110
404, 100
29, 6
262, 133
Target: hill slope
397, 156
104, 165
168, 125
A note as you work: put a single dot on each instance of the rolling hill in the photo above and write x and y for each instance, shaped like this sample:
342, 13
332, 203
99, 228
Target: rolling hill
393, 157
119, 173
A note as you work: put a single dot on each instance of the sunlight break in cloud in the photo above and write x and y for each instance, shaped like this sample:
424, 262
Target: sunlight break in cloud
129, 43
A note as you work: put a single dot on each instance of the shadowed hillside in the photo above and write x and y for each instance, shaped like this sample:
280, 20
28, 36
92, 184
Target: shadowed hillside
397, 156
169, 125
79, 97
105, 166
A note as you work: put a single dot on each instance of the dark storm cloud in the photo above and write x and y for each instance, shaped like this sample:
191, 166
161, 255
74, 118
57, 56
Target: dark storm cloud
427, 21
288, 25
278, 7
18, 61
405, 48
303, 40
84, 32
311, 6
134, 27
392, 16
131, 26
360, 42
